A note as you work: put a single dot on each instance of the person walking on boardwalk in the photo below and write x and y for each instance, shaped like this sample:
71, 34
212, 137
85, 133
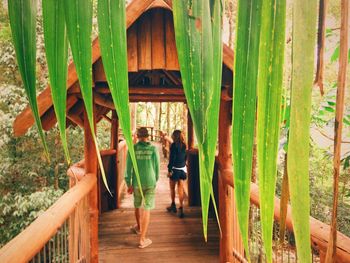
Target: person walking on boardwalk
177, 170
148, 165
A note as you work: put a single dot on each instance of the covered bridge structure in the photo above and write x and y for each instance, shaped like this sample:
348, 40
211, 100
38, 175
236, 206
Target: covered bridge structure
154, 76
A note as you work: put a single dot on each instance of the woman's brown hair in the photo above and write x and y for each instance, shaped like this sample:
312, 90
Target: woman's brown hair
178, 138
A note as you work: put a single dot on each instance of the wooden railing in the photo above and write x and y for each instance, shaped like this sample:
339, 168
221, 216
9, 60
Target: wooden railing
46, 239
319, 230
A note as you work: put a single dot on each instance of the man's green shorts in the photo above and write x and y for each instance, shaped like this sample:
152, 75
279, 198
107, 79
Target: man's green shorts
149, 194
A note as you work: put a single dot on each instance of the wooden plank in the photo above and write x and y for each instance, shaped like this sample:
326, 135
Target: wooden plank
159, 4
155, 90
49, 120
46, 225
98, 71
144, 42
172, 62
158, 39
157, 98
74, 89
132, 48
135, 9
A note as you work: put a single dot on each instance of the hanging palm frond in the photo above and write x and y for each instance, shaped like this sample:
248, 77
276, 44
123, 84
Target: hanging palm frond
112, 37
244, 106
271, 61
22, 15
198, 41
56, 48
304, 37
78, 16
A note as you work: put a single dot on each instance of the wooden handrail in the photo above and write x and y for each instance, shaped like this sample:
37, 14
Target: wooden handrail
31, 240
319, 230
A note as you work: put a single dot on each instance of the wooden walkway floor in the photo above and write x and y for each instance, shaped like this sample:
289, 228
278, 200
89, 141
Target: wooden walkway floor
174, 239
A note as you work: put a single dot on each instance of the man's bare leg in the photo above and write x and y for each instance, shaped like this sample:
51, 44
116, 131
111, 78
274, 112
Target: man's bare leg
144, 225
138, 215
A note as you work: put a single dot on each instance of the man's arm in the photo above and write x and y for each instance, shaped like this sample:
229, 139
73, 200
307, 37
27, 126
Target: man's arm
156, 163
172, 157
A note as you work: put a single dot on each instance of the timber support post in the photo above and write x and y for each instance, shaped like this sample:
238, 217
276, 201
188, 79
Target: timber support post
114, 146
225, 191
91, 167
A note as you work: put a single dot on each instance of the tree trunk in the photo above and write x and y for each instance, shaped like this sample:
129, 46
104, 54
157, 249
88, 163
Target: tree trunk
168, 118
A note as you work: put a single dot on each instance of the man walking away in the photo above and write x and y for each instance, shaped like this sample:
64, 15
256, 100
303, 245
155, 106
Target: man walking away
148, 165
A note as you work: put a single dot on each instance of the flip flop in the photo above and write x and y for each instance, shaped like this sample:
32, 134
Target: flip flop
135, 229
146, 243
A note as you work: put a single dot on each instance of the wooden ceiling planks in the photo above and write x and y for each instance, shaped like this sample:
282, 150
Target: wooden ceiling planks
133, 65
144, 42
172, 62
158, 39
151, 42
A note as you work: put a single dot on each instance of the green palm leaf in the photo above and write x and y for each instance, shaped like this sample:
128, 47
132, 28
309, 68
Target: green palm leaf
56, 48
244, 106
112, 36
78, 16
304, 36
271, 60
22, 15
198, 41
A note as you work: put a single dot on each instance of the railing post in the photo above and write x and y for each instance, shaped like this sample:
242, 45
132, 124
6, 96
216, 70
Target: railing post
91, 167
114, 145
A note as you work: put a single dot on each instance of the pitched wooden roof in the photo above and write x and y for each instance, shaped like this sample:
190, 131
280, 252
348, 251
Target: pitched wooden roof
141, 60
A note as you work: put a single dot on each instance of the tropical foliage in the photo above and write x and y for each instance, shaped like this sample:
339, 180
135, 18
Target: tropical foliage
258, 74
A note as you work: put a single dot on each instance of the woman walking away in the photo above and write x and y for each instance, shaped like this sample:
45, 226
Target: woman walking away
148, 164
177, 170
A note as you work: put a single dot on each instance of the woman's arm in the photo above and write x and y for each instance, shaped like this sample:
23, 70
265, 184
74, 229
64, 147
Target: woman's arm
172, 157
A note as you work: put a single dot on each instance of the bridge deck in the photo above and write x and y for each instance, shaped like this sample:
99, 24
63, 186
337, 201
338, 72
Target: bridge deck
174, 239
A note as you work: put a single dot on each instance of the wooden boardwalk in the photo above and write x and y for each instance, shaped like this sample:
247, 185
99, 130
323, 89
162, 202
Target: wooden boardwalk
174, 239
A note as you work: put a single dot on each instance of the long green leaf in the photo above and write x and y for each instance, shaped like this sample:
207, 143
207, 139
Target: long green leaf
304, 37
112, 36
244, 106
56, 48
271, 60
78, 16
22, 15
284, 202
198, 41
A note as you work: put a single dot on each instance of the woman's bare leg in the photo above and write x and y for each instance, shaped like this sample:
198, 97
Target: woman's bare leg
172, 190
180, 191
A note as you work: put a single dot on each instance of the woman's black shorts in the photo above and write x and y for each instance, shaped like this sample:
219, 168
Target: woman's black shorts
178, 175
